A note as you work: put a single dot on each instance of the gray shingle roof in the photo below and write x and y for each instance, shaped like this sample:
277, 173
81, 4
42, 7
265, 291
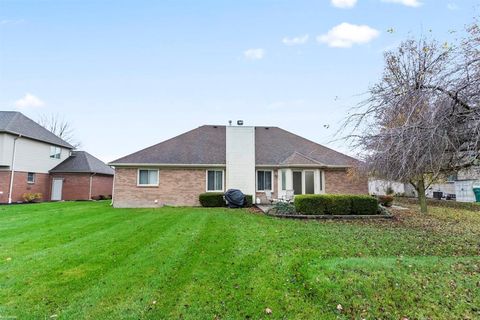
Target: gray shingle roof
82, 162
16, 123
274, 145
206, 146
203, 145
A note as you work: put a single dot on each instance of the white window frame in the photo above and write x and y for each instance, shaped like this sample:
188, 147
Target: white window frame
55, 152
223, 180
148, 185
34, 177
271, 176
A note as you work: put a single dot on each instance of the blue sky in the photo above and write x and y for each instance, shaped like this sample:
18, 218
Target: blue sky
129, 74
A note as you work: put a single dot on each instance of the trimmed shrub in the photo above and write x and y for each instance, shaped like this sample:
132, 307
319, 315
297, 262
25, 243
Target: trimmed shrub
310, 204
364, 205
212, 199
386, 201
31, 197
335, 204
338, 204
248, 200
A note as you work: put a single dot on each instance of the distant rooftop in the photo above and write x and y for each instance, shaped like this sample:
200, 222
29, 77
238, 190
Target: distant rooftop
16, 123
82, 162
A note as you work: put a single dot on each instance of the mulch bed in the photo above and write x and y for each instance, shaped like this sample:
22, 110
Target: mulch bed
330, 217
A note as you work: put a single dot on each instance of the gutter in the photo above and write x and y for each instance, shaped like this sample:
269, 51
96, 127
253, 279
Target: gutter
170, 165
12, 174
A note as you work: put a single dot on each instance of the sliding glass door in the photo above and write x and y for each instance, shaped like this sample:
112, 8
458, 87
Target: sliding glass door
309, 182
297, 182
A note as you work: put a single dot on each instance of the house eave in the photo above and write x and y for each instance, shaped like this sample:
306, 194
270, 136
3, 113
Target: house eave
13, 133
167, 165
222, 165
303, 166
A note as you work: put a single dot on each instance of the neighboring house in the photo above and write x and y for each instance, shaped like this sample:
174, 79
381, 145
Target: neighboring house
81, 177
257, 160
28, 152
461, 185
458, 186
380, 187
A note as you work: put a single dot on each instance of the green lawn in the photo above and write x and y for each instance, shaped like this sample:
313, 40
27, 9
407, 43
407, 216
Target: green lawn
89, 261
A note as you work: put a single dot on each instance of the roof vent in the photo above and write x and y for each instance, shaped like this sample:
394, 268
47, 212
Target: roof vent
240, 122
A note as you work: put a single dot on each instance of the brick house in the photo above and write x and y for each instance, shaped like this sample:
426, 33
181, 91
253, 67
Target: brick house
260, 161
81, 177
29, 153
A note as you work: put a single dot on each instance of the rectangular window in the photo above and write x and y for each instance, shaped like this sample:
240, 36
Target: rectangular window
264, 180
148, 177
214, 180
31, 177
284, 180
55, 152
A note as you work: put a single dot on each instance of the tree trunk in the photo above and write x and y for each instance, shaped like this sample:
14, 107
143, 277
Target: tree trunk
421, 195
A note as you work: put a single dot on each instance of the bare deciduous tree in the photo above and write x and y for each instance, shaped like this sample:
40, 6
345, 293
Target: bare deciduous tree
422, 119
60, 127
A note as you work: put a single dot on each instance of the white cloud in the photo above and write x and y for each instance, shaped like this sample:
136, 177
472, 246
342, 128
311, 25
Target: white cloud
29, 101
344, 3
452, 6
345, 35
408, 3
295, 40
254, 54
11, 21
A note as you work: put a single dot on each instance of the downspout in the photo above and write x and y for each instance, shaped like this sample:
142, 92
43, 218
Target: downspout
10, 191
113, 186
90, 191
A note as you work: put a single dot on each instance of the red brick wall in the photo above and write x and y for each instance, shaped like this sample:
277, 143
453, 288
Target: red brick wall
338, 182
21, 186
76, 186
177, 187
102, 185
4, 185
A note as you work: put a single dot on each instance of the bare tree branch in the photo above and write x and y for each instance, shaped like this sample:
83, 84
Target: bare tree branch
59, 126
421, 120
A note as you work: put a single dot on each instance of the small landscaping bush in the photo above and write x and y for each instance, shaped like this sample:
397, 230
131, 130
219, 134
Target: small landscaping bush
386, 201
31, 197
212, 199
283, 208
334, 204
248, 200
